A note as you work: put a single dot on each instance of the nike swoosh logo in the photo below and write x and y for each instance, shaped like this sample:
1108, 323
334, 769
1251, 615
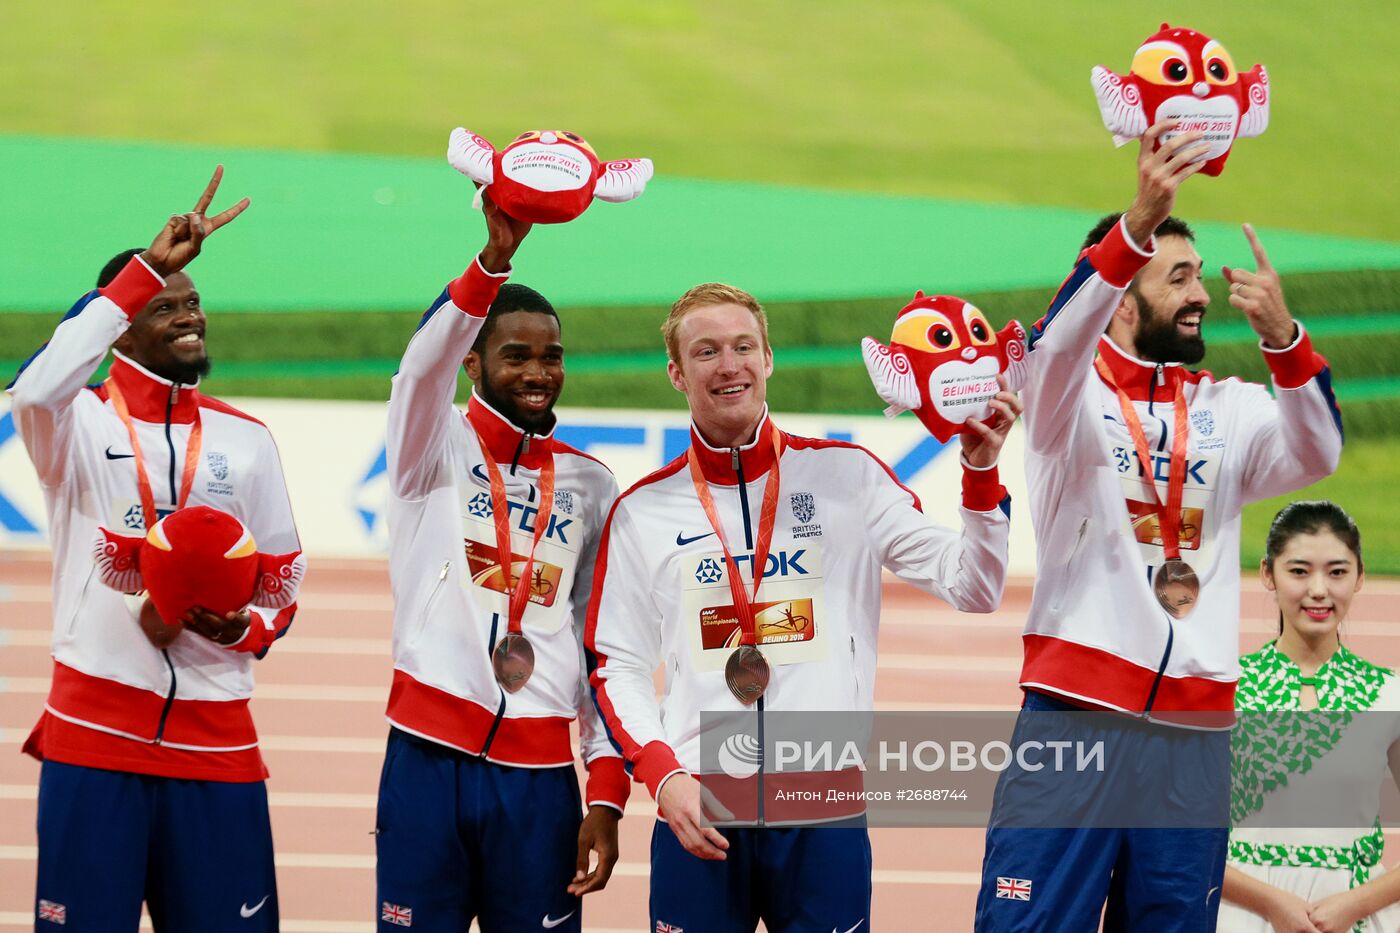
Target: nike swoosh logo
112, 456
479, 472
245, 911
858, 923
682, 541
550, 924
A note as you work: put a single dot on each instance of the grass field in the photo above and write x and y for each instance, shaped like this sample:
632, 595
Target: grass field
968, 99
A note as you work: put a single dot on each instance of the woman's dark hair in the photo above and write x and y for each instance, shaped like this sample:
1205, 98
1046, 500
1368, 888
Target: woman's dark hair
1309, 518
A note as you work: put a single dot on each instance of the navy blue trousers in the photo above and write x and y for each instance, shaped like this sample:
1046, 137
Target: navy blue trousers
460, 838
199, 853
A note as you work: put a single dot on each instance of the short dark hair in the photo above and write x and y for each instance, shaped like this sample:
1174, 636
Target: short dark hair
1172, 226
116, 264
511, 298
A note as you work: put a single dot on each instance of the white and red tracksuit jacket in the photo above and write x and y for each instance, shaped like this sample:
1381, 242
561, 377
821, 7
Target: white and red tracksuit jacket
1096, 634
661, 597
448, 610
117, 702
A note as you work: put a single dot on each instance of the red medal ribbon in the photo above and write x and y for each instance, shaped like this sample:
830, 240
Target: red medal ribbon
500, 515
143, 482
1168, 516
767, 518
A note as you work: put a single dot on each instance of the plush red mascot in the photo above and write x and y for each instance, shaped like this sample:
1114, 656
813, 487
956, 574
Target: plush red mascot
1179, 74
942, 362
546, 176
198, 557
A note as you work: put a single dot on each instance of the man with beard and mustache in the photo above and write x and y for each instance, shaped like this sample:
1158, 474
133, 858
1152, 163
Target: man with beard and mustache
1138, 469
150, 759
479, 808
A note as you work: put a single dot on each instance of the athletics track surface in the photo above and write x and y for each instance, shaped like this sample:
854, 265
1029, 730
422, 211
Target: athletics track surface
319, 708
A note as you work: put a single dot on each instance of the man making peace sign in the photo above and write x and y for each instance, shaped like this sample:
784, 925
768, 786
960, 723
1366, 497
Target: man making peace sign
148, 748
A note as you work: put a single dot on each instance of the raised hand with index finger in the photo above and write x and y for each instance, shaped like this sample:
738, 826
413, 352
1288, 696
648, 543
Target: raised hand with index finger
182, 237
1259, 294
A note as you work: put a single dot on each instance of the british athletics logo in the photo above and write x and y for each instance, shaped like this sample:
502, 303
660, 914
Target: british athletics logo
54, 913
1015, 889
663, 927
398, 916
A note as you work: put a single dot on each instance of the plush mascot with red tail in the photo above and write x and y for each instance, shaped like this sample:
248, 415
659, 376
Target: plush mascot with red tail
198, 557
943, 361
1180, 74
546, 176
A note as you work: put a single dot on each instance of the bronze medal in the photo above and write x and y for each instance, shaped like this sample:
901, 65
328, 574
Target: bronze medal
747, 674
513, 660
746, 671
1175, 584
1177, 587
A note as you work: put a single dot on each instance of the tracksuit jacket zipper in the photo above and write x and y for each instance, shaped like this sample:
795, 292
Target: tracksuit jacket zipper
1158, 377
743, 487
175, 500
521, 449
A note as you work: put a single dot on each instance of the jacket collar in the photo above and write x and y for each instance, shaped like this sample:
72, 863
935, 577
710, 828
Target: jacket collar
503, 441
1138, 377
756, 457
148, 396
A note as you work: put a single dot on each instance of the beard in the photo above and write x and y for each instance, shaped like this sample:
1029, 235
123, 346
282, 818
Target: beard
188, 373
532, 422
1158, 341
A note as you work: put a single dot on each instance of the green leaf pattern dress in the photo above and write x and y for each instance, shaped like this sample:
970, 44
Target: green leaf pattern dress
1325, 762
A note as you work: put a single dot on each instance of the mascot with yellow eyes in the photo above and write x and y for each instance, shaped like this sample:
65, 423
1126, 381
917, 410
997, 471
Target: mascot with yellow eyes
942, 362
1179, 74
546, 176
198, 557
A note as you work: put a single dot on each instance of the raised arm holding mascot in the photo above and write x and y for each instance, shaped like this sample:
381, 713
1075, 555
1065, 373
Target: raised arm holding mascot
494, 527
1138, 469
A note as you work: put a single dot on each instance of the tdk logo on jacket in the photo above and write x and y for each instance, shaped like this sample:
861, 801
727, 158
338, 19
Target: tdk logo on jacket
1198, 471
522, 517
710, 570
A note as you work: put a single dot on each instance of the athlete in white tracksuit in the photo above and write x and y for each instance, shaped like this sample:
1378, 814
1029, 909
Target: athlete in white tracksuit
479, 809
1097, 637
149, 750
661, 598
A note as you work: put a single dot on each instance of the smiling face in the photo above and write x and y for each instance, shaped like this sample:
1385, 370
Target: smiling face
1161, 316
167, 336
722, 364
520, 369
1313, 578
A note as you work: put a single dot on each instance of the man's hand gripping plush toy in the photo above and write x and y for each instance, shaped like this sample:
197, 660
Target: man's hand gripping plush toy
943, 362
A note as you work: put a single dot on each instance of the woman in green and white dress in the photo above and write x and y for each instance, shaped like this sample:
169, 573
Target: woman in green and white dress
1306, 771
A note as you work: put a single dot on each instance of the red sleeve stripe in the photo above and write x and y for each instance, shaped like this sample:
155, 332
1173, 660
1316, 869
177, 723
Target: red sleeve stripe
213, 404
562, 448
133, 287
1295, 366
474, 290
